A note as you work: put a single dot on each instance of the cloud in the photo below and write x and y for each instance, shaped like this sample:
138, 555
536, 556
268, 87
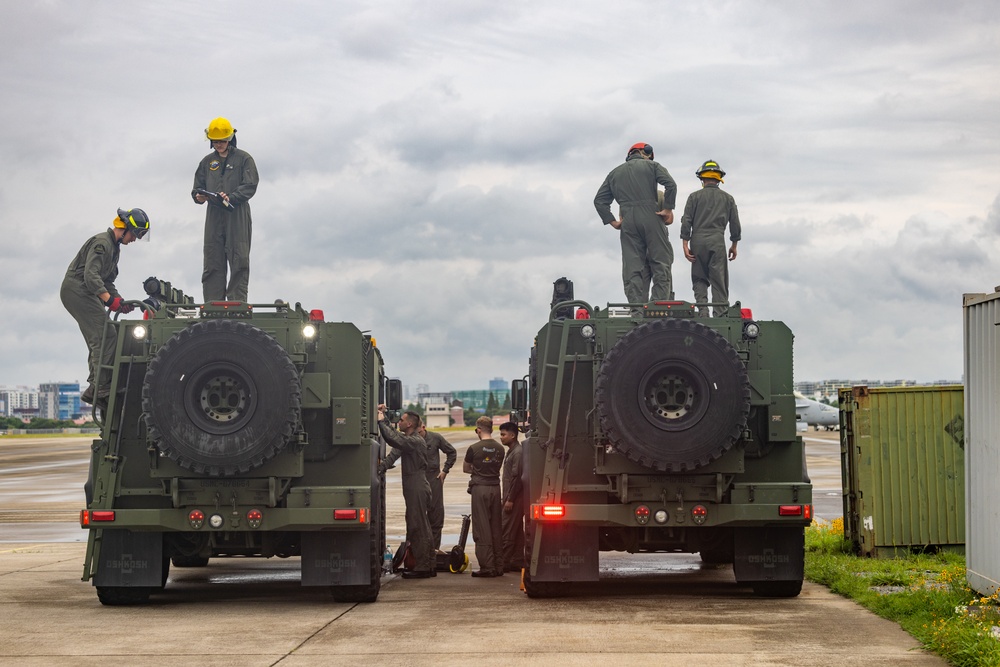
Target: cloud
428, 172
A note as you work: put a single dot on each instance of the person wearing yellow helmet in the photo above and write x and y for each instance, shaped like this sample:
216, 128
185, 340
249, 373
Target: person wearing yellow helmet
703, 227
226, 179
89, 287
646, 252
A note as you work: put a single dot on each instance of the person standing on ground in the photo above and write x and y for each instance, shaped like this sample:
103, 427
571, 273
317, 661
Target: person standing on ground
416, 491
643, 223
703, 232
483, 461
436, 444
512, 500
89, 287
230, 177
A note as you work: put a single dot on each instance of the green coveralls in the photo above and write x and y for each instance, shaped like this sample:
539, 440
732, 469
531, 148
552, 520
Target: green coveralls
435, 509
92, 272
646, 250
486, 458
706, 214
227, 232
416, 494
513, 521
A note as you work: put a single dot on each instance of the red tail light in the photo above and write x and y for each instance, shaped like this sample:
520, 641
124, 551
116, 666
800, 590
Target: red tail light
84, 518
345, 515
362, 515
102, 515
196, 518
548, 511
790, 510
255, 518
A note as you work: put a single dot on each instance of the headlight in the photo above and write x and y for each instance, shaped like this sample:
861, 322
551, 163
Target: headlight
751, 329
138, 332
309, 331
587, 331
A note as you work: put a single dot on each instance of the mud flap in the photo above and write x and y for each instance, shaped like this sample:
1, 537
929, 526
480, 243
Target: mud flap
769, 554
336, 559
130, 559
565, 553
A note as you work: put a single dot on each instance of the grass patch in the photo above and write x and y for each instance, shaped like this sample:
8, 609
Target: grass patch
927, 594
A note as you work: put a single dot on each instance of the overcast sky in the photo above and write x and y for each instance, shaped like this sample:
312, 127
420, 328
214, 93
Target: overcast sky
429, 168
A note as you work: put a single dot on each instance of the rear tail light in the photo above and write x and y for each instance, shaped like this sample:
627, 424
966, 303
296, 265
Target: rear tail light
699, 514
543, 512
345, 515
642, 515
84, 518
789, 510
254, 518
102, 515
196, 518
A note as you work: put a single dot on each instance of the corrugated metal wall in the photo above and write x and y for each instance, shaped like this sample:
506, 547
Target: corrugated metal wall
903, 468
982, 444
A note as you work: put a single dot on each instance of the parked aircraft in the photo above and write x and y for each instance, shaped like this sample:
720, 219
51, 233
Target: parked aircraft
814, 413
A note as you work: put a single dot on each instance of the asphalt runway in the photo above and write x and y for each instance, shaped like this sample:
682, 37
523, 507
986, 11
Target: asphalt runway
657, 609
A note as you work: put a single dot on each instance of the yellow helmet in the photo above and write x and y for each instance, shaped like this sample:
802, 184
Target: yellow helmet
220, 129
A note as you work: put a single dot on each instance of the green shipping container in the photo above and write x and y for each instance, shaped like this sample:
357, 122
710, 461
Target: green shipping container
903, 468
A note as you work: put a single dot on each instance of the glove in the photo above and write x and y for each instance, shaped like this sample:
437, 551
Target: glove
117, 305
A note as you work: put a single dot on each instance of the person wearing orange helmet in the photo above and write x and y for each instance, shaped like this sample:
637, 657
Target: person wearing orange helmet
703, 231
88, 288
226, 179
646, 252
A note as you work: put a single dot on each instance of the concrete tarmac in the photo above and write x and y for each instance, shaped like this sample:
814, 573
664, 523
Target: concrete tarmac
647, 609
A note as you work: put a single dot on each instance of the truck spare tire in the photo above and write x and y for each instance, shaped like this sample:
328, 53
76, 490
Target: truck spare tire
673, 395
221, 397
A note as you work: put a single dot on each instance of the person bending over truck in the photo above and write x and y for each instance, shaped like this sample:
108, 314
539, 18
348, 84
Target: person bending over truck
416, 491
89, 287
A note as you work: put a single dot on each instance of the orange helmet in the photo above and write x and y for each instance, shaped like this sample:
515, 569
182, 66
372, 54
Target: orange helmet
647, 150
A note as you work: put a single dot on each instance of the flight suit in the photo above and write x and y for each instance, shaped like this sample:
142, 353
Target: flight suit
416, 494
706, 214
227, 231
486, 458
644, 239
513, 521
435, 509
92, 272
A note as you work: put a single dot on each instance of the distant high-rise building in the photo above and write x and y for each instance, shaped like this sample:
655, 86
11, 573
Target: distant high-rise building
59, 400
498, 384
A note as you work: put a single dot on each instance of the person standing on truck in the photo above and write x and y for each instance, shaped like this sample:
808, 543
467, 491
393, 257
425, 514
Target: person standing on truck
512, 500
483, 461
436, 444
703, 232
646, 252
416, 490
226, 178
89, 287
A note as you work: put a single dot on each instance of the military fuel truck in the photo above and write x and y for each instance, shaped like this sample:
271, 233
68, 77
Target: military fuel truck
237, 429
651, 429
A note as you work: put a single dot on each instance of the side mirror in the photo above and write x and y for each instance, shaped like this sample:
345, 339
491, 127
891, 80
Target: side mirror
394, 394
519, 395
